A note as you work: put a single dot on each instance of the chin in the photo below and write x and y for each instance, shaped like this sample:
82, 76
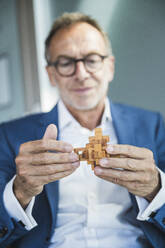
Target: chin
87, 106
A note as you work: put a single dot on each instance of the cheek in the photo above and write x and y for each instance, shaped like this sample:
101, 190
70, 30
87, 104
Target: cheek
103, 76
61, 83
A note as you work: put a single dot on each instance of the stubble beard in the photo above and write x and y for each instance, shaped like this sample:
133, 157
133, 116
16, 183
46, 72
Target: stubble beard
93, 103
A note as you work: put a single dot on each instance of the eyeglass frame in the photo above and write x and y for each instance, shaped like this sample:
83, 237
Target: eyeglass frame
55, 63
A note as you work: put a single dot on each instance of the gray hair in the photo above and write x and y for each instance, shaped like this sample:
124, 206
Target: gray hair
68, 19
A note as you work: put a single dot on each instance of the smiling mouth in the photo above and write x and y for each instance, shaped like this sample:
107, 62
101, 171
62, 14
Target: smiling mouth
82, 90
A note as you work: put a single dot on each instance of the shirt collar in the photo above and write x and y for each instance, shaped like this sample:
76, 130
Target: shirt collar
66, 119
107, 112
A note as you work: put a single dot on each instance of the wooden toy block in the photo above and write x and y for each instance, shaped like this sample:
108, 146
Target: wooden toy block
94, 150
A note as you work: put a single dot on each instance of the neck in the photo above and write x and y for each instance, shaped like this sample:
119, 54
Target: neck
88, 118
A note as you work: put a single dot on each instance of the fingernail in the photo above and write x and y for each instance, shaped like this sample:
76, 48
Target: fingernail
109, 148
73, 156
98, 170
68, 148
103, 161
76, 164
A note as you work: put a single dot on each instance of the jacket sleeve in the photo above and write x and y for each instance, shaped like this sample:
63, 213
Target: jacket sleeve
10, 229
158, 218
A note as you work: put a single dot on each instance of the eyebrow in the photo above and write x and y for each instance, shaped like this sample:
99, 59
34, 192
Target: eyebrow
71, 57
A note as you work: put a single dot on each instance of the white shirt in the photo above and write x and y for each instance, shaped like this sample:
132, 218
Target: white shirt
92, 212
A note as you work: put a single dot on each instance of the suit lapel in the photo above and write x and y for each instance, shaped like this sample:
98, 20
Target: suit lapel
123, 124
51, 189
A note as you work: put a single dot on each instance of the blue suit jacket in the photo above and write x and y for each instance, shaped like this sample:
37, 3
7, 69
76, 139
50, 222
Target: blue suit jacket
132, 125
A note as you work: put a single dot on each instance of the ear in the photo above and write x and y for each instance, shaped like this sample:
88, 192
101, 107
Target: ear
111, 67
51, 75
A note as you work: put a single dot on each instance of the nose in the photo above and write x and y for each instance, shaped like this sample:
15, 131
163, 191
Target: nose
81, 73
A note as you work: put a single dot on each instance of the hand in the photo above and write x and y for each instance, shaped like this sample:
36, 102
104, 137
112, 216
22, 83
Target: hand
134, 168
37, 166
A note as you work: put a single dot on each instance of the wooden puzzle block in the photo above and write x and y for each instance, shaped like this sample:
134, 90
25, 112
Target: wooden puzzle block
94, 150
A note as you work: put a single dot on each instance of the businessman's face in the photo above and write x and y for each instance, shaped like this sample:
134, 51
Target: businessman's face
86, 86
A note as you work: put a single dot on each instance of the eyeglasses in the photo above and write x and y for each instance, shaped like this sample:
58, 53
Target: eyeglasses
66, 66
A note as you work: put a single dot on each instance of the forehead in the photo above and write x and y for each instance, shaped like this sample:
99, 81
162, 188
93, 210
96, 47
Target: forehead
77, 40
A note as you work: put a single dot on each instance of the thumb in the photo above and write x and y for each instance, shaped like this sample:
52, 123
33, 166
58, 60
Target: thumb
51, 132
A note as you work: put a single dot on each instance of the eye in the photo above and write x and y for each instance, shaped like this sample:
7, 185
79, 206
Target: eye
91, 61
64, 62
93, 58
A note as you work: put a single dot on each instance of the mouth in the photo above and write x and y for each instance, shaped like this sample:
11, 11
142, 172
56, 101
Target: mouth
83, 90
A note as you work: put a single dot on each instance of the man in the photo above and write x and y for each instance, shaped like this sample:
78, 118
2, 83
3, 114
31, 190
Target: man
51, 200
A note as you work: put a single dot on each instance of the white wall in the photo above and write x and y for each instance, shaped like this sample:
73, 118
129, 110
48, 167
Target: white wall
43, 21
11, 80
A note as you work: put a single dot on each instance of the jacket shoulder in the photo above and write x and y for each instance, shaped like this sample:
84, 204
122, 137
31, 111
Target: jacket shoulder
135, 111
24, 119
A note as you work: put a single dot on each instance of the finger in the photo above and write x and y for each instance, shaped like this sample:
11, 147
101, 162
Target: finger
45, 170
127, 164
132, 187
125, 176
130, 151
51, 132
47, 158
45, 145
115, 181
42, 180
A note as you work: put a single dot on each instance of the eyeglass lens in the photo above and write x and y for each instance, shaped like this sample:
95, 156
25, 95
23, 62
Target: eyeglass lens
66, 66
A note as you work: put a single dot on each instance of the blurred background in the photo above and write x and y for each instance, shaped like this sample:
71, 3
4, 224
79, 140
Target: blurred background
137, 32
